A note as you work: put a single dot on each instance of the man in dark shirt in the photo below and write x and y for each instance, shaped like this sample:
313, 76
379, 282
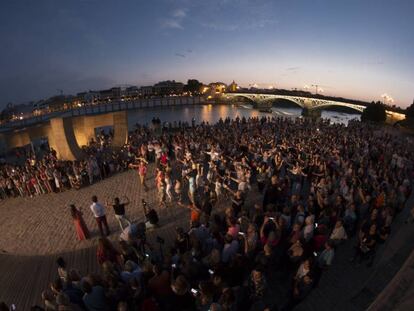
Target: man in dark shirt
119, 209
272, 194
206, 203
150, 215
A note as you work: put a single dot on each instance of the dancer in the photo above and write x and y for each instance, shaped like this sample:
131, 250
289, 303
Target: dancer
119, 209
81, 229
142, 171
99, 213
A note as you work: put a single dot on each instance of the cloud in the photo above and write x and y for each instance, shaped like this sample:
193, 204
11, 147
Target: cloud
180, 55
261, 23
179, 13
175, 19
387, 98
171, 23
246, 25
292, 68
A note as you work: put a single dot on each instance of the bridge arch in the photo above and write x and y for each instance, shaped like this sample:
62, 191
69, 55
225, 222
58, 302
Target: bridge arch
247, 98
345, 106
289, 101
264, 101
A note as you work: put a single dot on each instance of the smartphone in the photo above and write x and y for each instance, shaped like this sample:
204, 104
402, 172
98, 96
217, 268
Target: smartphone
210, 271
194, 291
147, 255
174, 265
13, 307
271, 218
316, 225
241, 233
315, 254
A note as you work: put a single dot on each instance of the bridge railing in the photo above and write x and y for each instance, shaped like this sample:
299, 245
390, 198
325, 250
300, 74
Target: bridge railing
136, 104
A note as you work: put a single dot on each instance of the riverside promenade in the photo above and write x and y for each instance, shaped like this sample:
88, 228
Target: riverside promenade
35, 231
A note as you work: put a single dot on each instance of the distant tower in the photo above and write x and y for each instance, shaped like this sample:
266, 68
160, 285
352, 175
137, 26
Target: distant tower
233, 87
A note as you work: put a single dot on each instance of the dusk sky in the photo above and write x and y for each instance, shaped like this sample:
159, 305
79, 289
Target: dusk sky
358, 49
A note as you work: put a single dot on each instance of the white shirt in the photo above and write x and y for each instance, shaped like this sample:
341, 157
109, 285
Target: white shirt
243, 186
213, 155
301, 272
339, 234
97, 210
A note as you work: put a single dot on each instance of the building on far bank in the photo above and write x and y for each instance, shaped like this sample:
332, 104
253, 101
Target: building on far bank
168, 88
89, 97
131, 92
110, 94
146, 90
15, 112
217, 87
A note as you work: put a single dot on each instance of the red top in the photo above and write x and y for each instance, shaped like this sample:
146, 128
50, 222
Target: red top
319, 241
142, 169
164, 159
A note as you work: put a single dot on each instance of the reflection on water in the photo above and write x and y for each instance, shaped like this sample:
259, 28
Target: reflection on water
213, 113
340, 117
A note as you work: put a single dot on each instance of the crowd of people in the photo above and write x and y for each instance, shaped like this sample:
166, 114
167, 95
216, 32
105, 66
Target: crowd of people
271, 201
44, 173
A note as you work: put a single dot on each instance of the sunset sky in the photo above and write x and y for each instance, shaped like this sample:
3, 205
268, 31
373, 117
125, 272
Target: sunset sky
359, 49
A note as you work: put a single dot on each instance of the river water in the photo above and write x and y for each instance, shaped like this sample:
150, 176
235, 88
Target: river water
213, 113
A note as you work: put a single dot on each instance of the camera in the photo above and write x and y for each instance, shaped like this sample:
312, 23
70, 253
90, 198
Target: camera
160, 240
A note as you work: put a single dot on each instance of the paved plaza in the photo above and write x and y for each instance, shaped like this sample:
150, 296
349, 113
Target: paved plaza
35, 231
43, 225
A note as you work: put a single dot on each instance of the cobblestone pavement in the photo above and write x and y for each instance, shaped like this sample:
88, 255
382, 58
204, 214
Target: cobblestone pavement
35, 231
43, 226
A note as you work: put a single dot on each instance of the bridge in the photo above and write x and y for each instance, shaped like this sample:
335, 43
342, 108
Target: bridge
309, 105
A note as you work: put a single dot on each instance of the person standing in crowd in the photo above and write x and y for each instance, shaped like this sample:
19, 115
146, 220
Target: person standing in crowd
99, 213
81, 229
119, 209
142, 171
106, 252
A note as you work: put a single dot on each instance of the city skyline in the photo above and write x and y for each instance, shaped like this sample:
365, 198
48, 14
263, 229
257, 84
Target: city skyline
354, 50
